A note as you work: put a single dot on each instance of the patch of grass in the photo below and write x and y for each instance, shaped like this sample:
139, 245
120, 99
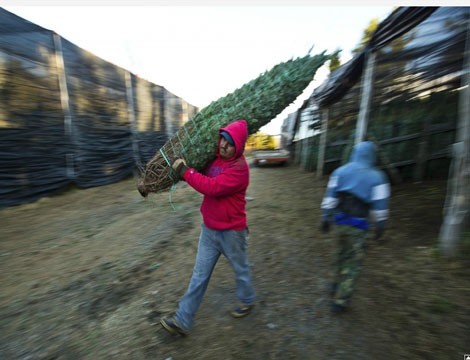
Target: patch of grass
465, 243
274, 206
434, 191
440, 305
435, 253
153, 267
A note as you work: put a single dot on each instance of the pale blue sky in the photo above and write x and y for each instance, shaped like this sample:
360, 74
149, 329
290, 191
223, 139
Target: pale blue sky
202, 53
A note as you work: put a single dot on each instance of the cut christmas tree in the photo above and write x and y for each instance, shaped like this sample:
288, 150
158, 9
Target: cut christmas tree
258, 102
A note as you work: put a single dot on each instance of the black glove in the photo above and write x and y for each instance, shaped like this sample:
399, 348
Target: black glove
325, 226
179, 165
379, 231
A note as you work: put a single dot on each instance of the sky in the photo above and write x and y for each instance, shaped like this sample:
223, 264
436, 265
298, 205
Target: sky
203, 52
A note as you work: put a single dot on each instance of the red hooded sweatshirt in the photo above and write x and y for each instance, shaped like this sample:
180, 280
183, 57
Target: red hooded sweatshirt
223, 184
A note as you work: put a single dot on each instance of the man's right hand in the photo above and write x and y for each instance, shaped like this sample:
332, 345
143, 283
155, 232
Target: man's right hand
379, 231
180, 167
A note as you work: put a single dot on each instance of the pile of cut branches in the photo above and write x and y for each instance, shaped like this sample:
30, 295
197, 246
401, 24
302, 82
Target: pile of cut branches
258, 102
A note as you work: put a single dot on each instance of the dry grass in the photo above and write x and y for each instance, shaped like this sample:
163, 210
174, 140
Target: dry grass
87, 274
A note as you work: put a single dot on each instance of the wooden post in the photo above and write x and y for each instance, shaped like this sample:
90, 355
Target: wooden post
392, 171
65, 102
162, 117
387, 164
322, 146
131, 113
366, 95
422, 155
456, 209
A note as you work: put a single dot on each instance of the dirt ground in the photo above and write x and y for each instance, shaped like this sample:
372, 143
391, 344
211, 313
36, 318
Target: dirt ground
88, 273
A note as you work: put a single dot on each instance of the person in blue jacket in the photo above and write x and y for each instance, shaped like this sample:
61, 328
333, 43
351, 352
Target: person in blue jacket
357, 202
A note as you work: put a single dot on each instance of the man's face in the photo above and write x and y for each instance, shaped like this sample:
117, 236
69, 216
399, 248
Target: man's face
226, 150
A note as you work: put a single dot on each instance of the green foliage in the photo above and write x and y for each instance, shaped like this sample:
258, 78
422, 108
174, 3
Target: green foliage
440, 305
258, 102
335, 61
465, 243
366, 35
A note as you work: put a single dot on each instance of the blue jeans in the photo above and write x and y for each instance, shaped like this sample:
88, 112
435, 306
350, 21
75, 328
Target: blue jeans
232, 244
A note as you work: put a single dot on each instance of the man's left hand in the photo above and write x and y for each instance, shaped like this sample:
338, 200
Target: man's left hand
325, 226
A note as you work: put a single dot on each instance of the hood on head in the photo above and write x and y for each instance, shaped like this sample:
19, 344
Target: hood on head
238, 130
364, 153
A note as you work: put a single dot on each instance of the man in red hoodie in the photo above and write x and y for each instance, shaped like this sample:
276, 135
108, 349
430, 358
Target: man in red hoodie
224, 229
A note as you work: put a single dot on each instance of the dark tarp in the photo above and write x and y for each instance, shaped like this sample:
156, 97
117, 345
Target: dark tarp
98, 142
402, 20
342, 79
415, 97
13, 24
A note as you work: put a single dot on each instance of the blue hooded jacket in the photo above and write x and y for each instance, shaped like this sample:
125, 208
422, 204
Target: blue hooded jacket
360, 178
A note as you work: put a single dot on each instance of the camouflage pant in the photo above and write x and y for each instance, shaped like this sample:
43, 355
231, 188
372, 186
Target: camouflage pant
351, 251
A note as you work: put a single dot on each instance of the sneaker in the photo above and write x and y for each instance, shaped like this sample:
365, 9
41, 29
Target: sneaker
172, 327
241, 311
